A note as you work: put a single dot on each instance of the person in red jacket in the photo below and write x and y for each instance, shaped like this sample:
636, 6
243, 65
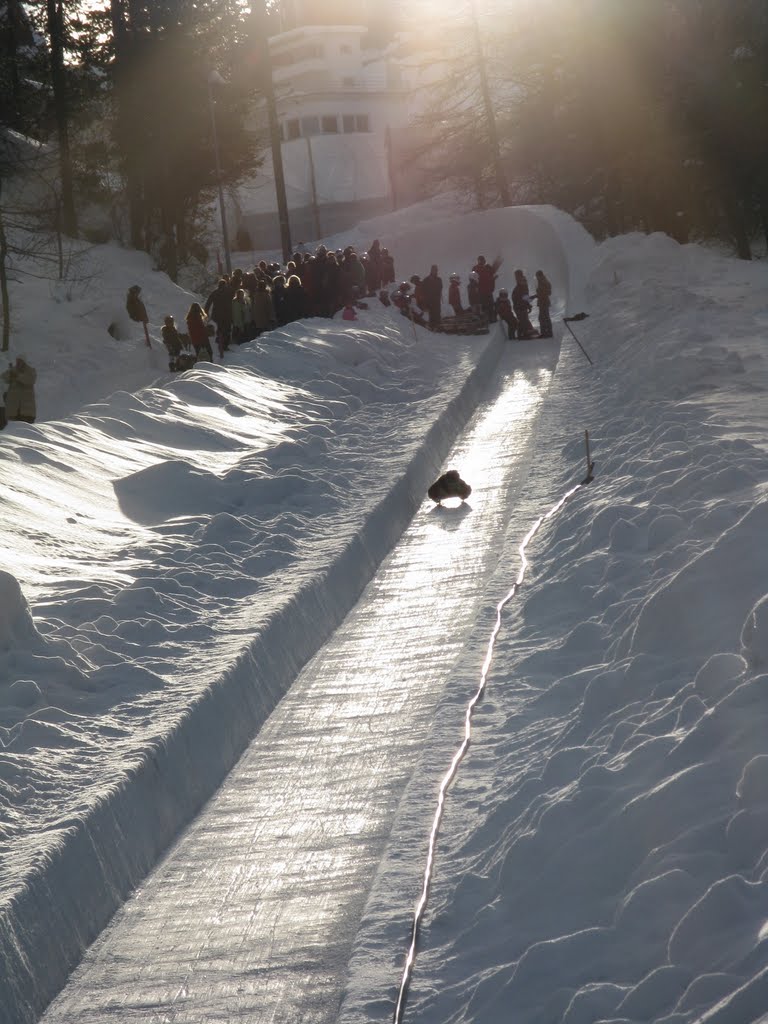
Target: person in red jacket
197, 329
486, 279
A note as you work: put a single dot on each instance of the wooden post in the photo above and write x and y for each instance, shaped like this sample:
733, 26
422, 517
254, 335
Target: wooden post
590, 464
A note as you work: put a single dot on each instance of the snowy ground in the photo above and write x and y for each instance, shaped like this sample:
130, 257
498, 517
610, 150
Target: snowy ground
603, 851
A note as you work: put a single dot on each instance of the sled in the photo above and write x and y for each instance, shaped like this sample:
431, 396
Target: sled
449, 485
464, 323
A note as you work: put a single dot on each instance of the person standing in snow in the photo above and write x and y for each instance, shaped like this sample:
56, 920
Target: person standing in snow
137, 311
218, 306
432, 292
486, 281
172, 342
544, 300
505, 314
262, 308
521, 304
454, 294
19, 387
387, 268
473, 294
295, 305
197, 329
241, 317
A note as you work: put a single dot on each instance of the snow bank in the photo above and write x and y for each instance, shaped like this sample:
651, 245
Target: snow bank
99, 855
194, 544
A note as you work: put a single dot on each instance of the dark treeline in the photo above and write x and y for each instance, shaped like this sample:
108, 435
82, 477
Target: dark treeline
631, 114
121, 95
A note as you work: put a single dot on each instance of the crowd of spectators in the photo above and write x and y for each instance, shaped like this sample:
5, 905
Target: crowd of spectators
248, 302
325, 282
420, 299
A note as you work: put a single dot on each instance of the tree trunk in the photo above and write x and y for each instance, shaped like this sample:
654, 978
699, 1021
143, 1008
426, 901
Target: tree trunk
56, 32
737, 226
260, 30
4, 279
126, 139
490, 118
9, 43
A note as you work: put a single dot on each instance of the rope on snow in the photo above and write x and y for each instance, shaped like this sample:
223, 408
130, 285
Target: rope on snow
459, 755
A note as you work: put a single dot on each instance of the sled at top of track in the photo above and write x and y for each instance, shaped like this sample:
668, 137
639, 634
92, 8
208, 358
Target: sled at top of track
464, 323
449, 485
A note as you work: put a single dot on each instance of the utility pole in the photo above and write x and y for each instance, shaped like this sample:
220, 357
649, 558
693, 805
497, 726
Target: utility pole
313, 186
265, 66
490, 120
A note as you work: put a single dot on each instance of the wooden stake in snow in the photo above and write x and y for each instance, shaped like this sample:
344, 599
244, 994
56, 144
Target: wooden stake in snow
590, 464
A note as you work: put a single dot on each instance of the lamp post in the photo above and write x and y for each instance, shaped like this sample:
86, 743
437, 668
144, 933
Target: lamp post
214, 78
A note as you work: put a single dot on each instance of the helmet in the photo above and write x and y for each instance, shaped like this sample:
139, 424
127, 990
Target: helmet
473, 277
404, 287
454, 277
503, 293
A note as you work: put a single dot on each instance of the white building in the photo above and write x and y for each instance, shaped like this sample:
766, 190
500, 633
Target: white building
343, 105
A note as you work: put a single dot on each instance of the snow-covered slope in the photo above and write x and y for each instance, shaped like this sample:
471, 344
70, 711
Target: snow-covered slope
169, 542
603, 855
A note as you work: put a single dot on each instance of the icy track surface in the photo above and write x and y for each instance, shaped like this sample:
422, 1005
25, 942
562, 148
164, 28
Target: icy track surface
184, 551
253, 913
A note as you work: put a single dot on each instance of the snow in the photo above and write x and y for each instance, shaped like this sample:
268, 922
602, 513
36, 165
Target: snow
175, 555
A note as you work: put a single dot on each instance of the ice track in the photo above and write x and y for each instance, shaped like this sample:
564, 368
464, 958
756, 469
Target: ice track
253, 912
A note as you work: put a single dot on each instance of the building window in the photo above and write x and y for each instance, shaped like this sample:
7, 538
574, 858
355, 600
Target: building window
346, 48
348, 83
310, 126
295, 56
355, 123
292, 129
330, 125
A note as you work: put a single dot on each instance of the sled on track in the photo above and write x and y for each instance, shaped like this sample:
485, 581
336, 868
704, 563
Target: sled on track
449, 485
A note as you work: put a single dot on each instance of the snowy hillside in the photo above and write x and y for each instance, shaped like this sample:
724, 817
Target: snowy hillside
184, 550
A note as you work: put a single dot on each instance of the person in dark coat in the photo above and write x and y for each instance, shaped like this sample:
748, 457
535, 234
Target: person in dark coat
544, 300
505, 314
218, 306
278, 298
358, 272
262, 308
172, 342
330, 286
18, 383
137, 311
521, 304
432, 292
387, 268
295, 305
473, 294
347, 285
454, 294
